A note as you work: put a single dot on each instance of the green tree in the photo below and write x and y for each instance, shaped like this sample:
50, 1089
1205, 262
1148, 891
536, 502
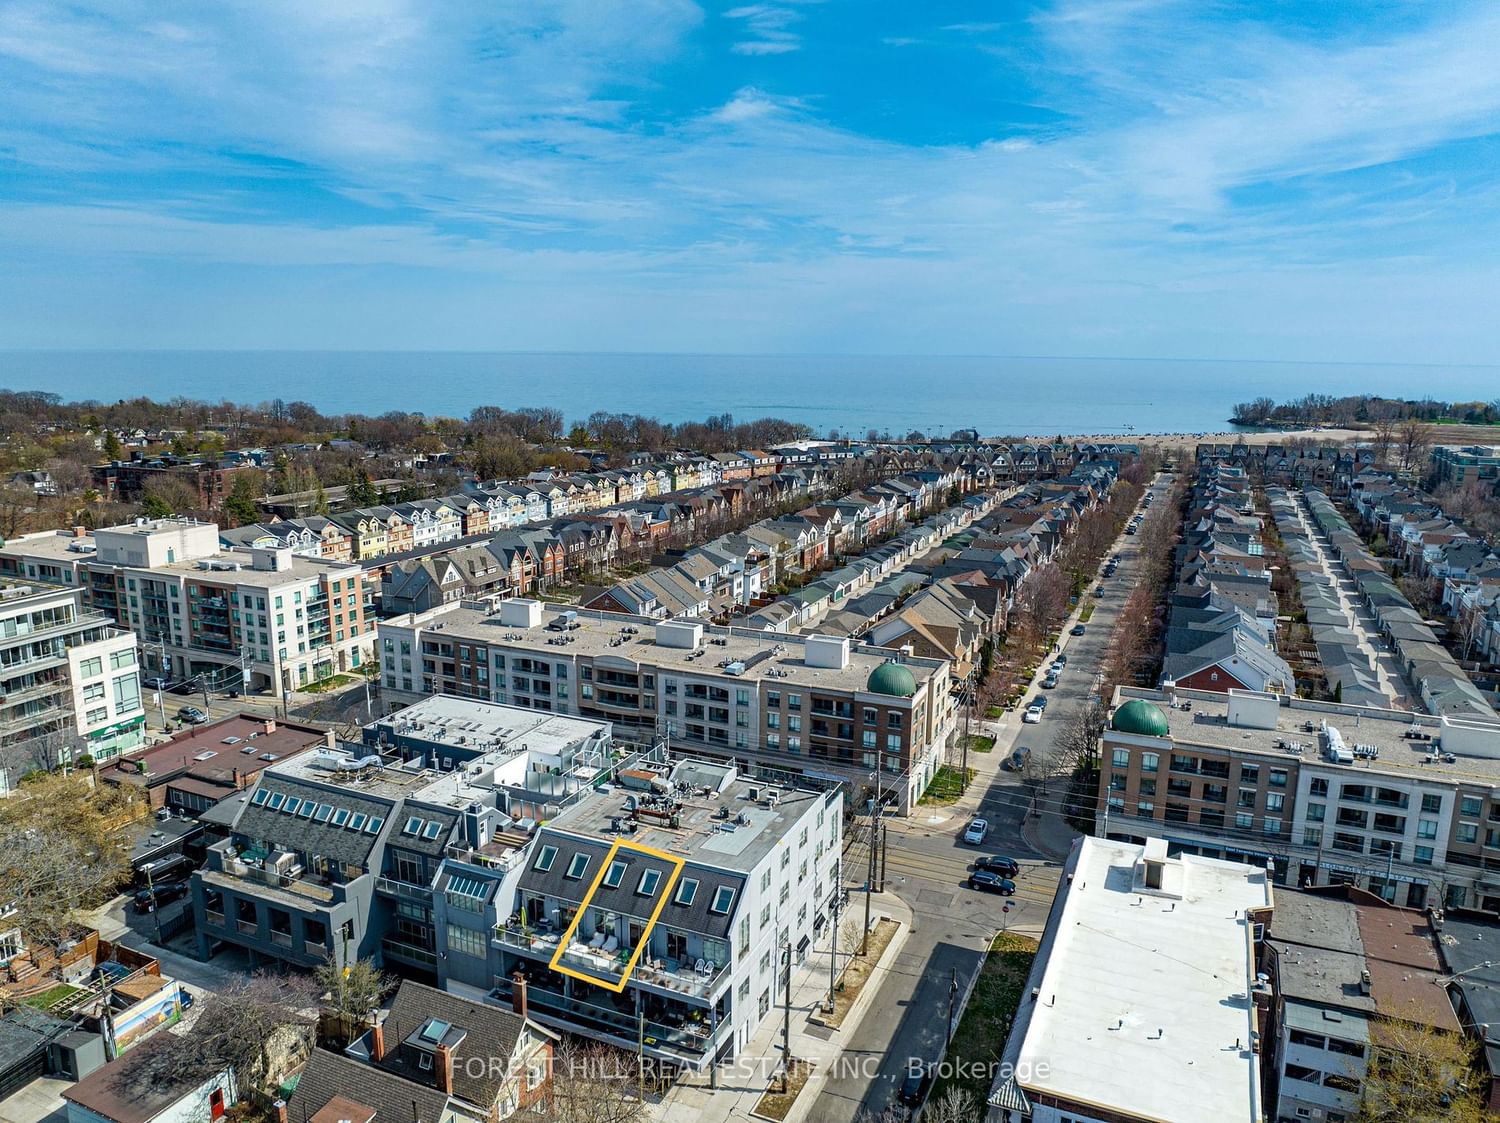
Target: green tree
239, 504
112, 449
153, 506
362, 491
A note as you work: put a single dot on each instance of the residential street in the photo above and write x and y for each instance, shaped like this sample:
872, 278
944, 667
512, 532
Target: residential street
927, 865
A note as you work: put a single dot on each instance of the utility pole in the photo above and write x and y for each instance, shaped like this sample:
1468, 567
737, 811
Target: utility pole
864, 941
786, 1021
833, 954
203, 683
155, 908
963, 783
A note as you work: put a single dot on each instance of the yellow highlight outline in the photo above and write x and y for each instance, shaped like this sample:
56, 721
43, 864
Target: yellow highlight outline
677, 865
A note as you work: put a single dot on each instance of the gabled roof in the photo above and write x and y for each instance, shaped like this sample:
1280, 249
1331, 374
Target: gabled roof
490, 1037
330, 1075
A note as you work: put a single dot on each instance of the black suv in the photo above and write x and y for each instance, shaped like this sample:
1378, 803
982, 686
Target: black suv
1005, 867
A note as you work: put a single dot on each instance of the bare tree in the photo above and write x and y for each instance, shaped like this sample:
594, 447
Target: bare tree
593, 1083
351, 993
953, 1106
256, 1024
1413, 440
1077, 746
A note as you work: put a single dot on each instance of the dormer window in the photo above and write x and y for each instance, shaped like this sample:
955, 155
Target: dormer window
577, 865
614, 875
649, 881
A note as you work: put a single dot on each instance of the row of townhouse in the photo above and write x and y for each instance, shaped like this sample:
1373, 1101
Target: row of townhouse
1221, 628
1405, 806
625, 916
734, 573
831, 603
1436, 678
255, 618
1327, 467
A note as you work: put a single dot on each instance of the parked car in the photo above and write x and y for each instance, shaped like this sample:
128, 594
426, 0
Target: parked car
1060, 661
1078, 630
170, 891
192, 715
1039, 703
976, 831
1019, 758
910, 1092
992, 883
1005, 867
1032, 716
1049, 683
155, 682
187, 686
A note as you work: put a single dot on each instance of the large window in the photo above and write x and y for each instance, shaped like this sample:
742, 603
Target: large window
466, 941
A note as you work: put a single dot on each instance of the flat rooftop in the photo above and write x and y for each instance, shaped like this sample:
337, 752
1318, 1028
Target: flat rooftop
1207, 723
632, 639
301, 567
58, 545
215, 752
445, 719
1144, 998
731, 830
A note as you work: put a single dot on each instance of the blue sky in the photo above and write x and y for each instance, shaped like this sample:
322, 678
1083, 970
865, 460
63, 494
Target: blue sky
1274, 180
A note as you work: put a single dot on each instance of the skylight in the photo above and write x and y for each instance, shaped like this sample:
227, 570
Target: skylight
579, 863
687, 889
649, 881
614, 875
723, 900
545, 858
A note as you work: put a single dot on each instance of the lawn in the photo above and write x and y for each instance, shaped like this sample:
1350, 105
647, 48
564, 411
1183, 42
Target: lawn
329, 684
981, 743
47, 999
946, 786
1087, 614
980, 1038
994, 713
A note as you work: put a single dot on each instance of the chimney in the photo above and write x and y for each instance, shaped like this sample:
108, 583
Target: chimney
279, 1107
234, 778
518, 993
270, 725
377, 1042
80, 531
331, 739
442, 1069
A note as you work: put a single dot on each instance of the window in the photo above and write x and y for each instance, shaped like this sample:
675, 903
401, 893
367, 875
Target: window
1249, 773
545, 859
1243, 821
357, 822
277, 798
91, 668
324, 810
434, 829
1278, 777
1467, 832
1318, 787
1149, 761
687, 889
1427, 828
577, 865
614, 875
341, 816
649, 881
466, 941
1432, 804
723, 900
1275, 802
1312, 836
1422, 855
1316, 812
1470, 805
413, 826
292, 804
94, 692
1122, 758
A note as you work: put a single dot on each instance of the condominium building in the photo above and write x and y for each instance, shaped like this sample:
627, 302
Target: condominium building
1462, 465
69, 684
663, 913
820, 706
1406, 806
353, 850
1142, 1003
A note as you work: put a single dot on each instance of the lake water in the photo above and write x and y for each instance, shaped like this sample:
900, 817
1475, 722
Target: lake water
996, 395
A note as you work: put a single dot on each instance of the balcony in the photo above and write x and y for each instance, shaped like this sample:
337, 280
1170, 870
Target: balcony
315, 949
247, 927
406, 890
656, 974
214, 917
400, 949
691, 1040
282, 939
254, 879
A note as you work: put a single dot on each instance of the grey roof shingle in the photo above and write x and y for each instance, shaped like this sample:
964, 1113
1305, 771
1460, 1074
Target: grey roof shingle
390, 1095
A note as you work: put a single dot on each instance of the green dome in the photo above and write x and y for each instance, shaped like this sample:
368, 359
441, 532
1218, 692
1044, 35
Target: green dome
1143, 718
892, 679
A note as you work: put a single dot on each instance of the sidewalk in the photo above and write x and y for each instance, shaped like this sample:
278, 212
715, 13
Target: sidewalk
1048, 832
742, 1082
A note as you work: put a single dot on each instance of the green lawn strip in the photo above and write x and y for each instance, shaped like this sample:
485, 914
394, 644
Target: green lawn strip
980, 1038
981, 743
946, 786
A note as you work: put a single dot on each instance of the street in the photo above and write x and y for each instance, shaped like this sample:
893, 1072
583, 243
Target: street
927, 866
